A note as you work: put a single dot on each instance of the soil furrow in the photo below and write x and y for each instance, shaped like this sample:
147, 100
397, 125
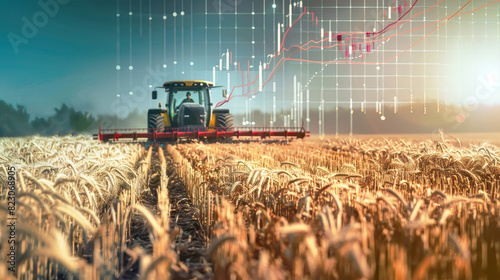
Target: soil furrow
191, 243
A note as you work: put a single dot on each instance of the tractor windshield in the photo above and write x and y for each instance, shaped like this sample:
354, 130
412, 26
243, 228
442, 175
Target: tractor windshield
184, 94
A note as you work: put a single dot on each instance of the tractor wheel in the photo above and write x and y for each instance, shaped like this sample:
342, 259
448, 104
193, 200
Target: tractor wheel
156, 121
224, 121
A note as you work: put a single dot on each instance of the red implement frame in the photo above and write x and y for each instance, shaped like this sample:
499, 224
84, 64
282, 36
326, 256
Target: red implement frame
202, 132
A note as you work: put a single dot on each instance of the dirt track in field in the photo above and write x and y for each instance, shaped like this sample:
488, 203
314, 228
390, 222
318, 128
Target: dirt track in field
184, 216
190, 240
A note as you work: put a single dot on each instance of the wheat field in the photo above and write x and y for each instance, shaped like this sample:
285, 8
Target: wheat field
354, 208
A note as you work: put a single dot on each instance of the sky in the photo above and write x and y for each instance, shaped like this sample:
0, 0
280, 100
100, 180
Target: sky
68, 59
67, 51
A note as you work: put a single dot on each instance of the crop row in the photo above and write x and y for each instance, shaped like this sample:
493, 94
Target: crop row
347, 209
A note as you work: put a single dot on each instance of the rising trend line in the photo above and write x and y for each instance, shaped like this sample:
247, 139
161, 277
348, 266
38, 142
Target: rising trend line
282, 60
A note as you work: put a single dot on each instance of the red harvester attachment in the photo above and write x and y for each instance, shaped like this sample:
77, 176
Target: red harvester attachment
173, 134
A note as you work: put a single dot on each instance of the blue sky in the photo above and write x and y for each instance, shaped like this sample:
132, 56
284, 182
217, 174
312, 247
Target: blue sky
66, 61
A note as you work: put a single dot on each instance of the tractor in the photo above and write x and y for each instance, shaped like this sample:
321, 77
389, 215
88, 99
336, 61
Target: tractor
189, 113
193, 113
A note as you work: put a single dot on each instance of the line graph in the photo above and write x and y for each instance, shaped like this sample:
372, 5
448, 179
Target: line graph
370, 56
368, 43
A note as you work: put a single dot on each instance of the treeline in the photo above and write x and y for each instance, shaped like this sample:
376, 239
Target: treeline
16, 122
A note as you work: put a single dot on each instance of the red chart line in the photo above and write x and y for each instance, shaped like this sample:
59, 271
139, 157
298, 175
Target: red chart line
284, 59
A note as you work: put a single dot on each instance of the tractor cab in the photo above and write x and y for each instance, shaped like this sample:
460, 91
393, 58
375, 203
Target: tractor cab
192, 111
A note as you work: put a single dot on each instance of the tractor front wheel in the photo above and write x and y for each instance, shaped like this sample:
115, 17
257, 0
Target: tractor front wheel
155, 121
224, 122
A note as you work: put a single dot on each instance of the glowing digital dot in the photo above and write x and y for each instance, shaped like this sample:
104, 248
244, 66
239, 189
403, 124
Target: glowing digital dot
150, 18
130, 93
118, 67
374, 29
131, 68
164, 65
378, 67
118, 95
308, 120
182, 13
182, 72
150, 86
253, 42
117, 15
253, 13
236, 63
253, 27
295, 4
460, 118
164, 17
382, 118
191, 63
175, 61
130, 13
253, 56
174, 14
274, 6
